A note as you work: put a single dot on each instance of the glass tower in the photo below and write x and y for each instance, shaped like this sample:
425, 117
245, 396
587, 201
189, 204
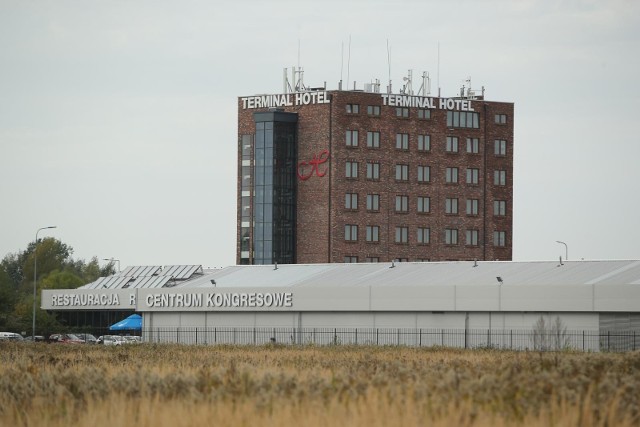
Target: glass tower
274, 188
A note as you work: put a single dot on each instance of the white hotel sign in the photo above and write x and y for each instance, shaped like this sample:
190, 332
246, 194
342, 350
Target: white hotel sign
307, 98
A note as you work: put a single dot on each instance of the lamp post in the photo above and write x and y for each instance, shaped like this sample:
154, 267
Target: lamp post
35, 278
112, 260
566, 250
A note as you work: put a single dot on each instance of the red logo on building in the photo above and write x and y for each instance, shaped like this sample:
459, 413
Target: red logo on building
306, 169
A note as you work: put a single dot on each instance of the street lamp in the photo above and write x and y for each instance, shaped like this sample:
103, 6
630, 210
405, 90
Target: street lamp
35, 277
566, 250
112, 260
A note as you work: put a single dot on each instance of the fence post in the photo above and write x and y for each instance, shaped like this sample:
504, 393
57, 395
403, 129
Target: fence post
634, 339
356, 336
511, 339
177, 335
196, 335
420, 337
442, 337
583, 340
377, 338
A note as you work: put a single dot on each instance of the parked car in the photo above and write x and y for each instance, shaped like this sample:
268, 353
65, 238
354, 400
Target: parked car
87, 338
65, 339
39, 338
132, 339
110, 340
10, 336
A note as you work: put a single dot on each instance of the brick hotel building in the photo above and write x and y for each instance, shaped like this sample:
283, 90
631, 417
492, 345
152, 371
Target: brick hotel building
355, 176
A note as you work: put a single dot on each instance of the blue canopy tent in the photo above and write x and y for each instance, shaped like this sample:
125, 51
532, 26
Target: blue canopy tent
133, 322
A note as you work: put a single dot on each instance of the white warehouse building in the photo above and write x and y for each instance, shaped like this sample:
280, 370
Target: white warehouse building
590, 305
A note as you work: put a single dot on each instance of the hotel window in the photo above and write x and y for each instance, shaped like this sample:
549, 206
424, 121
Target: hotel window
472, 238
373, 202
451, 206
373, 139
373, 110
424, 235
424, 142
372, 259
402, 203
402, 172
499, 207
353, 109
351, 169
451, 175
373, 171
472, 206
402, 112
452, 144
472, 175
500, 147
473, 145
424, 204
424, 173
450, 236
350, 259
402, 235
500, 177
424, 113
501, 119
463, 119
351, 233
499, 238
373, 233
352, 138
351, 201
402, 141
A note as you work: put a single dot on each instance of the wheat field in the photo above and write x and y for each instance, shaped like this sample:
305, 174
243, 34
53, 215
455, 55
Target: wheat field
172, 385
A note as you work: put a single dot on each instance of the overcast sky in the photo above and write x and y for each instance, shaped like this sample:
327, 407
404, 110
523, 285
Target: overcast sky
118, 118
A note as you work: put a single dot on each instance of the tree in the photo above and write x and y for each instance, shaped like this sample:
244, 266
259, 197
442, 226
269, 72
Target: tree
61, 280
8, 297
56, 269
52, 255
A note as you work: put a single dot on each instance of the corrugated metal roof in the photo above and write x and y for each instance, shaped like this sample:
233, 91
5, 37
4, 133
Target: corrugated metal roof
425, 274
150, 282
153, 276
109, 282
181, 272
141, 270
382, 274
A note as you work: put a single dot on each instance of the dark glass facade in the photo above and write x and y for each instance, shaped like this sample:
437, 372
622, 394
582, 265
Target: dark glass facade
274, 188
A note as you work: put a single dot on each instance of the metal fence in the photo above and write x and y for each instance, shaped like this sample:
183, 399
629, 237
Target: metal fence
515, 339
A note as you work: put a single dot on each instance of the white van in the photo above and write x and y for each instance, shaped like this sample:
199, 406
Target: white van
10, 336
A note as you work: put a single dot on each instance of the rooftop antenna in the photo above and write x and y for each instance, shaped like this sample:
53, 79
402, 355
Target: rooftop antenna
349, 61
438, 69
425, 88
389, 65
298, 52
341, 65
407, 89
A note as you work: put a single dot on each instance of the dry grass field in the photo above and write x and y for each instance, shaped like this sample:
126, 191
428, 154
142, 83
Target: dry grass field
170, 385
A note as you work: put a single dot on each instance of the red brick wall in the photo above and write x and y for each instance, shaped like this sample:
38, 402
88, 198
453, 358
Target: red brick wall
321, 212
